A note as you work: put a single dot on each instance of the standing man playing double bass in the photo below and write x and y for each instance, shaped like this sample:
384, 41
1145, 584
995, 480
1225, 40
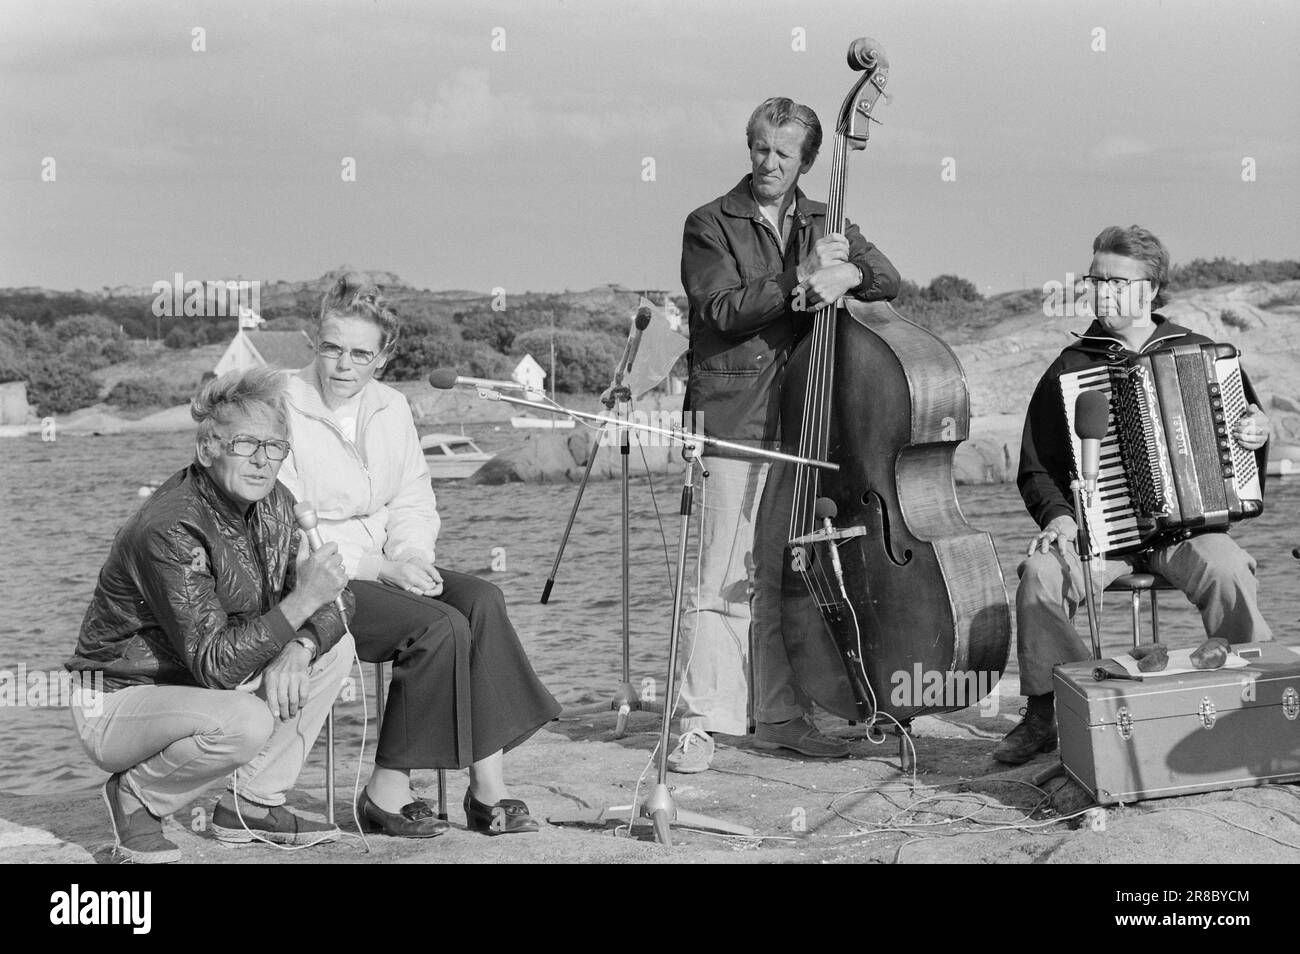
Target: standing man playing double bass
756, 264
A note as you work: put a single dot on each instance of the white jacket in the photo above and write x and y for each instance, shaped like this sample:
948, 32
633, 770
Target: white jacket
374, 498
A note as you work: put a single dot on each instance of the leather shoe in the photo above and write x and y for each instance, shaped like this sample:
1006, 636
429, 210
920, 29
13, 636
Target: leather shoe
416, 819
798, 735
1035, 733
506, 817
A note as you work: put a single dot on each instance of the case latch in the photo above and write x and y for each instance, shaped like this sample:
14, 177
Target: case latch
1290, 703
1207, 712
1124, 722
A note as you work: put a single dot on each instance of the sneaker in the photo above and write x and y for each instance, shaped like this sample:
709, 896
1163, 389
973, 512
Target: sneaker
694, 753
799, 735
138, 834
279, 826
1035, 733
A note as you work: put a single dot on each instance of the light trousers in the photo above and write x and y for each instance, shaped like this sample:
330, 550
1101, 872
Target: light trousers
735, 598
172, 742
1215, 573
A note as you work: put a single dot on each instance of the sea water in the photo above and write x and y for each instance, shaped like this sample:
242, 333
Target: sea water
62, 502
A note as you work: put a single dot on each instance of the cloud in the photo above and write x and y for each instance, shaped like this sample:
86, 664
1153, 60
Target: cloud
467, 117
1119, 147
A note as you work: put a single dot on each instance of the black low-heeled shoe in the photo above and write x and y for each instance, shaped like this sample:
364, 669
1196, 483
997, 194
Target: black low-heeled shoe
416, 819
506, 817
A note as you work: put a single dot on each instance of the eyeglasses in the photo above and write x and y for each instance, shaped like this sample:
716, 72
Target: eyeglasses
1116, 285
327, 349
241, 445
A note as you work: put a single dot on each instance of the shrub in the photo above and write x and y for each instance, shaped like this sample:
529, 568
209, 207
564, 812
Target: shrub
136, 393
1233, 320
94, 327
949, 287
86, 352
56, 385
179, 337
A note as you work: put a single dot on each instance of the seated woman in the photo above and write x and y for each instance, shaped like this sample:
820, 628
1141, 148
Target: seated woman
201, 593
463, 692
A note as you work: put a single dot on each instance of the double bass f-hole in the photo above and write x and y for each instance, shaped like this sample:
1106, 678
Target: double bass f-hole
879, 514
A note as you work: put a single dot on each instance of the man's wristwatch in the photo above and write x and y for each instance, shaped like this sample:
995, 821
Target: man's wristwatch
306, 643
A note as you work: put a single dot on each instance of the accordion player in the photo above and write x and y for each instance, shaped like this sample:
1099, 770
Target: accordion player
1169, 464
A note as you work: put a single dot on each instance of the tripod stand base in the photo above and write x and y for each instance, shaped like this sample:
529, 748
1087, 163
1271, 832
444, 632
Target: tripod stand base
626, 701
661, 811
657, 809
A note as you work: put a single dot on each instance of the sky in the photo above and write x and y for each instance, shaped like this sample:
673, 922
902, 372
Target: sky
544, 145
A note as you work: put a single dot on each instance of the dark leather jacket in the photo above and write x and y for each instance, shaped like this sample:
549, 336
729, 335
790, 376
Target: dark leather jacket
1046, 461
743, 326
190, 591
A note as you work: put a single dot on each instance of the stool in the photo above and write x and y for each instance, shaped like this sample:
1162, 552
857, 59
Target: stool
380, 683
1137, 584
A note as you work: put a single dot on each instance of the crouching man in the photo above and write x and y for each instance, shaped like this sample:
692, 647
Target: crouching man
219, 653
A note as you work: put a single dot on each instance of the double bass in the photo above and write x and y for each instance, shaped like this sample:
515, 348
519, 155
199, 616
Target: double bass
884, 582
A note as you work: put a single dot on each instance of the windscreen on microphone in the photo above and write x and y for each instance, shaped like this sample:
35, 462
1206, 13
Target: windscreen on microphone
443, 379
642, 318
305, 514
825, 508
1091, 410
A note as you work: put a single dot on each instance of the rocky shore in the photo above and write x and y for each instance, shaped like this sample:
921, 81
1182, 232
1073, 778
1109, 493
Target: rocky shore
961, 806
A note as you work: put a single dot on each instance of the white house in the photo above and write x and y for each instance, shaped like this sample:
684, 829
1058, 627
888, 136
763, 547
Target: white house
265, 349
530, 374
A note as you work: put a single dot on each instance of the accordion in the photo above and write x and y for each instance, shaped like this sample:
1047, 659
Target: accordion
1169, 464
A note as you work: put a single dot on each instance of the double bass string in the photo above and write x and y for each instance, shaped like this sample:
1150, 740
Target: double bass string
814, 430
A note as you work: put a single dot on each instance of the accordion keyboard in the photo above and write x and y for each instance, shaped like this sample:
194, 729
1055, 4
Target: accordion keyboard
1111, 520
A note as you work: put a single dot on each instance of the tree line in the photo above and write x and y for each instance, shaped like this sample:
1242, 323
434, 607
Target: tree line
51, 340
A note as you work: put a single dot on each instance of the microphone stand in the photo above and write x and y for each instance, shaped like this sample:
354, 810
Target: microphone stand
1084, 545
658, 806
1085, 558
626, 698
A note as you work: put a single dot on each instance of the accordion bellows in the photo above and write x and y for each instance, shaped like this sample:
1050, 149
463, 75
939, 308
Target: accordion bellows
1169, 464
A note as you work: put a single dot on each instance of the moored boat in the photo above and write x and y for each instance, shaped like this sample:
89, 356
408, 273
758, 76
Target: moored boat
452, 456
542, 423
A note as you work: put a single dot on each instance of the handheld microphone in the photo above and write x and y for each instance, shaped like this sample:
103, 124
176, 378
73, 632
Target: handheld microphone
444, 379
1091, 411
305, 514
825, 511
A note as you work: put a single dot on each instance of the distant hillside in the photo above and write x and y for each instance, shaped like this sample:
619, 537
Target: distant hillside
1004, 341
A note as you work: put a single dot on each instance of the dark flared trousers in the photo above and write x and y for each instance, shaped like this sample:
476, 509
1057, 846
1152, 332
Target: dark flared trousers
462, 685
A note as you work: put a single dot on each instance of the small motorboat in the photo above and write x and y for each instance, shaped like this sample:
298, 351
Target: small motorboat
452, 456
543, 423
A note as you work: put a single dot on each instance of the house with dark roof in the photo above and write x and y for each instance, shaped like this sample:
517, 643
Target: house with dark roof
266, 349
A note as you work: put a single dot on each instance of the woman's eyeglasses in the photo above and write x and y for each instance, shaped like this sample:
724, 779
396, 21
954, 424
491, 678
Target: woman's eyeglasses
241, 445
327, 349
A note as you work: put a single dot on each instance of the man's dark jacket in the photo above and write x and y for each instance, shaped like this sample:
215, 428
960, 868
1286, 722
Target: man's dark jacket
742, 318
190, 591
1046, 463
